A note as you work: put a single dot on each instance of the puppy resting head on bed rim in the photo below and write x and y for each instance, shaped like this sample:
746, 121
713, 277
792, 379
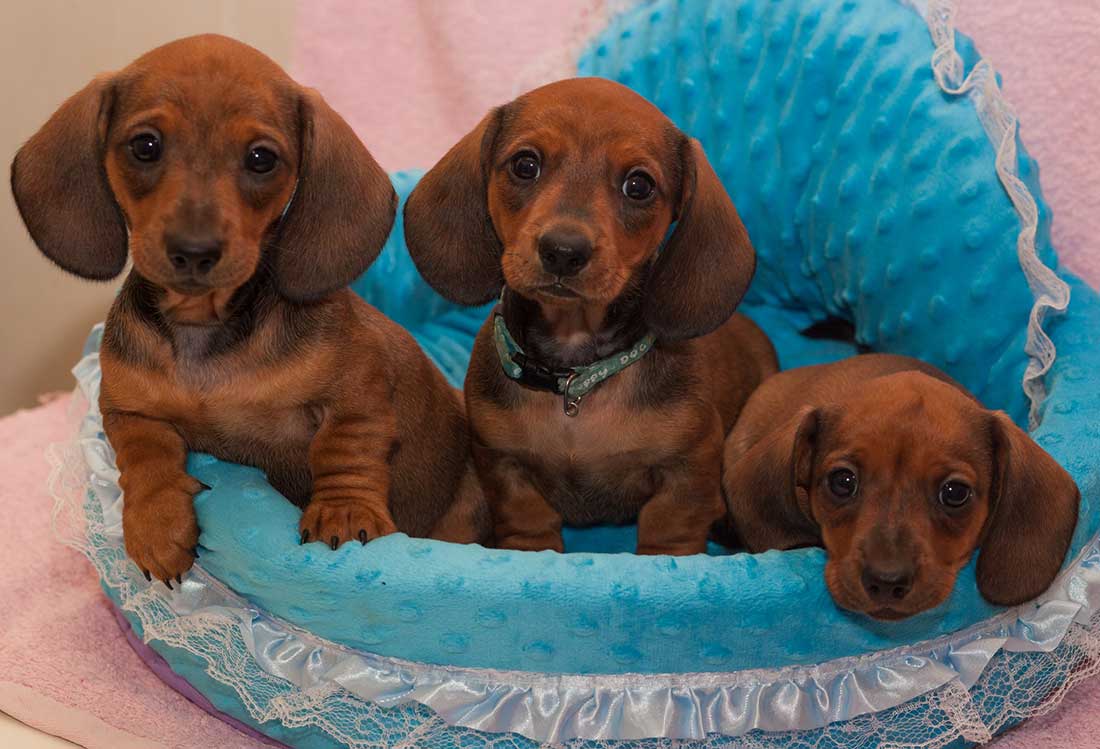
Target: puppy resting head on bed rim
247, 205
901, 475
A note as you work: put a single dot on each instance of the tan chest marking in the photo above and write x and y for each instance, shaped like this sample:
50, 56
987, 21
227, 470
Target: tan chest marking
609, 433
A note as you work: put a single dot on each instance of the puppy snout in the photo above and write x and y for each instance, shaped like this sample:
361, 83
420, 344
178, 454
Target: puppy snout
887, 584
563, 252
192, 256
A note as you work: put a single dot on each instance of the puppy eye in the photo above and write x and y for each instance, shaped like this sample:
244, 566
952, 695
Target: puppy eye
145, 147
954, 494
525, 165
260, 160
843, 483
638, 185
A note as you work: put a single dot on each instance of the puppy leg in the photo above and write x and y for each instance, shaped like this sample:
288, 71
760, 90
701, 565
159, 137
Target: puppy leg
522, 518
679, 517
349, 460
158, 514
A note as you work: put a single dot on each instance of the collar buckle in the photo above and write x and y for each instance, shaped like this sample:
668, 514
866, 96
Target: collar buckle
535, 375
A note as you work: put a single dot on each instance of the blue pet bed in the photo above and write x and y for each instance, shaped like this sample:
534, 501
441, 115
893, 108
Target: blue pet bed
879, 185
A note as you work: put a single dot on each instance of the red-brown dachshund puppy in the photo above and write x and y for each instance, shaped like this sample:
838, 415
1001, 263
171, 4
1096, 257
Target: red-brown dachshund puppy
900, 474
564, 197
247, 205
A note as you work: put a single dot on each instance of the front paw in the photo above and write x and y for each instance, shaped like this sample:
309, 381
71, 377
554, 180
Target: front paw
334, 521
160, 529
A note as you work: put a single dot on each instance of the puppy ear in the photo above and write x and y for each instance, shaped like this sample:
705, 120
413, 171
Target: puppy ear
342, 210
1033, 514
706, 265
447, 224
60, 186
767, 485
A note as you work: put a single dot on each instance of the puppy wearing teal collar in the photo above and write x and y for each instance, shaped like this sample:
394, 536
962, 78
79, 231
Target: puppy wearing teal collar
602, 386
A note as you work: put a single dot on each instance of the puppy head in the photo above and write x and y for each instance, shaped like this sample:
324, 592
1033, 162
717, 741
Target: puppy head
188, 158
566, 194
904, 480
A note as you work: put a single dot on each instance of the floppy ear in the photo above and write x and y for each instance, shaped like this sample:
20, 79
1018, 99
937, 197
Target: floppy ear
342, 210
60, 186
447, 225
767, 486
1033, 514
706, 265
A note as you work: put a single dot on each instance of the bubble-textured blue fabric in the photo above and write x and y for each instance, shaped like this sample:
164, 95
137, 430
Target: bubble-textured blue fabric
869, 194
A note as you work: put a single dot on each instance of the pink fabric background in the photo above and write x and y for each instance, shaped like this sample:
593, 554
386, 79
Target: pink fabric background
1048, 53
412, 77
425, 72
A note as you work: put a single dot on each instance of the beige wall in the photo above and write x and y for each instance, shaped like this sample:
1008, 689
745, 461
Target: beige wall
48, 50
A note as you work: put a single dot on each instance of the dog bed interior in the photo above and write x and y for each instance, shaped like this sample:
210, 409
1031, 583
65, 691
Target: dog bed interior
871, 195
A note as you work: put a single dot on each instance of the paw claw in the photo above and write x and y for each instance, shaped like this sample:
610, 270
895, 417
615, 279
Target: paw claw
335, 521
160, 531
305, 537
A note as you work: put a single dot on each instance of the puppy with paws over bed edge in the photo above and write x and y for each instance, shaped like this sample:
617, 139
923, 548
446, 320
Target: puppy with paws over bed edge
247, 205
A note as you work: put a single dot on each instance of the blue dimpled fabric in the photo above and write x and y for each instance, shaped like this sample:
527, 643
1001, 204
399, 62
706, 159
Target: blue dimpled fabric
869, 194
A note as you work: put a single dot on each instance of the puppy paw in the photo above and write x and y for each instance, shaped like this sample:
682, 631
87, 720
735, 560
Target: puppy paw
161, 531
335, 521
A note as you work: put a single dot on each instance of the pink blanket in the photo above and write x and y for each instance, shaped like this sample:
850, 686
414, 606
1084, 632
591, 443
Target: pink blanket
412, 77
65, 666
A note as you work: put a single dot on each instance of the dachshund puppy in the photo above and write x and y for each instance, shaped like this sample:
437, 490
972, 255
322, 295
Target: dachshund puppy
900, 474
247, 205
601, 389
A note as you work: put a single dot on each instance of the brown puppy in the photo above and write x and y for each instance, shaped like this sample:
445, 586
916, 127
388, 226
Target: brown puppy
900, 474
247, 205
565, 196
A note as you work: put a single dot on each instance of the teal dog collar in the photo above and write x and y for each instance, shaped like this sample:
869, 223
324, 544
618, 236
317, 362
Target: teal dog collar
572, 383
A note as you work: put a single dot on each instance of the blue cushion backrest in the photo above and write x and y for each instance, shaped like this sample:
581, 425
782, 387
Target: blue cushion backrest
443, 329
868, 192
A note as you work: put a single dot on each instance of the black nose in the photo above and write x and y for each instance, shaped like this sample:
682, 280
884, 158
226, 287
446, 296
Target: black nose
564, 253
191, 256
887, 584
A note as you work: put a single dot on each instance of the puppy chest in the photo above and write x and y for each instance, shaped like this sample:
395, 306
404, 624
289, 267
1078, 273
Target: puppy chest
591, 494
601, 430
596, 467
272, 425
